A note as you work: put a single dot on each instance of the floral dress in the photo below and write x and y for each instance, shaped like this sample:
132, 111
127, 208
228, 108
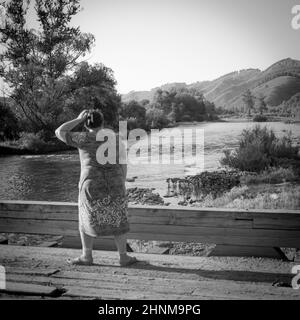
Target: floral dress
102, 200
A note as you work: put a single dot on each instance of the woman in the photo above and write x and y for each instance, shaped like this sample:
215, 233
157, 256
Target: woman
102, 198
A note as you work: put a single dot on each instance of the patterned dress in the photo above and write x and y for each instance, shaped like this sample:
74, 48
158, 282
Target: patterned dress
102, 200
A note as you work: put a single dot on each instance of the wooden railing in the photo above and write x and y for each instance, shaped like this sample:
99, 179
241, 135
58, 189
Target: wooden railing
236, 232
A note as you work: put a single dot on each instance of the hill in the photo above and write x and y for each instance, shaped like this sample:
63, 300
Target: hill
278, 83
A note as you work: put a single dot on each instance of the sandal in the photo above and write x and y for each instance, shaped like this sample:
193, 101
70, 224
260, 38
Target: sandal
80, 262
129, 262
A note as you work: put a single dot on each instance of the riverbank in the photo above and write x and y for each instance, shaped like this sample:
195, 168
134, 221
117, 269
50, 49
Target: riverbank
12, 148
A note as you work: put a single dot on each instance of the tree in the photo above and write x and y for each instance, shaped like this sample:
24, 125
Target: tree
8, 123
93, 87
135, 111
248, 101
261, 104
36, 64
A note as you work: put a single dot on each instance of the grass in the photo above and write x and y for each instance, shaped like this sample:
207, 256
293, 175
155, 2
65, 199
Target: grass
271, 176
257, 197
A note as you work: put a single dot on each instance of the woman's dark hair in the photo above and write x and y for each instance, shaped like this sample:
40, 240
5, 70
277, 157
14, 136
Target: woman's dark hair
94, 119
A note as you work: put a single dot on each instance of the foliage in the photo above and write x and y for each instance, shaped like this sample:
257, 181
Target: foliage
248, 101
260, 118
93, 87
259, 149
261, 105
246, 198
271, 176
36, 63
156, 119
8, 123
135, 114
32, 142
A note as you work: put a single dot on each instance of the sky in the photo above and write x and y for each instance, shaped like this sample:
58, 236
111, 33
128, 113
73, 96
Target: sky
152, 42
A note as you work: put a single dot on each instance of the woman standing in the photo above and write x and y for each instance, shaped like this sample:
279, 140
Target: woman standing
102, 200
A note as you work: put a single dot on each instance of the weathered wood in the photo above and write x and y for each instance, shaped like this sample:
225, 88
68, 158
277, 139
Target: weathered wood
252, 228
100, 243
127, 283
158, 250
246, 251
49, 244
51, 227
28, 289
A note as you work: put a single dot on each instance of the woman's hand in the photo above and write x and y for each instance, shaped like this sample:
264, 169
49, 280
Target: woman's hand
83, 114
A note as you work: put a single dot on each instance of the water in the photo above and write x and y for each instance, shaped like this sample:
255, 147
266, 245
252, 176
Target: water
55, 177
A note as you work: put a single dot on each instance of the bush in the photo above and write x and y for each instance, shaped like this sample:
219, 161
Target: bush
259, 149
260, 118
32, 142
9, 126
272, 175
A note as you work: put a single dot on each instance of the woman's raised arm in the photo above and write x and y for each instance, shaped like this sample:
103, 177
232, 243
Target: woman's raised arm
61, 131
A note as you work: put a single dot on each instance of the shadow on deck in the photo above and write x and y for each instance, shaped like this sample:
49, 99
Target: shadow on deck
37, 272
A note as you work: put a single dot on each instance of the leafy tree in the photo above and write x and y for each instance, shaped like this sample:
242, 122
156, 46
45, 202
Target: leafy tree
8, 123
134, 110
248, 101
156, 119
93, 87
36, 63
261, 104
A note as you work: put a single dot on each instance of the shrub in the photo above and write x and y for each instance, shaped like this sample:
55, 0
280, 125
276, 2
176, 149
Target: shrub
260, 118
9, 126
32, 142
259, 149
272, 175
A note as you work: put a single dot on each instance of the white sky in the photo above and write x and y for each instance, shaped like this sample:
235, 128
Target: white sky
151, 42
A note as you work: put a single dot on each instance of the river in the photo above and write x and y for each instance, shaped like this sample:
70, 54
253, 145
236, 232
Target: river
54, 177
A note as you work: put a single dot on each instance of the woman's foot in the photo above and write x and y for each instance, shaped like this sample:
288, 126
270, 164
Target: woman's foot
127, 260
81, 261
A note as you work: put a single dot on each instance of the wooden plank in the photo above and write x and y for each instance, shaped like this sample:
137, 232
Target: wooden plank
221, 239
172, 219
234, 236
230, 232
32, 271
291, 223
28, 289
71, 228
51, 227
32, 215
48, 244
121, 283
158, 250
134, 287
41, 206
152, 264
247, 251
100, 243
37, 206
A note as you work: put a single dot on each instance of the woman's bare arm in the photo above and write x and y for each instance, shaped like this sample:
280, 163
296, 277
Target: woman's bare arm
68, 126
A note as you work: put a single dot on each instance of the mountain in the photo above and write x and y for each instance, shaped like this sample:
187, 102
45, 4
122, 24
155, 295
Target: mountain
278, 83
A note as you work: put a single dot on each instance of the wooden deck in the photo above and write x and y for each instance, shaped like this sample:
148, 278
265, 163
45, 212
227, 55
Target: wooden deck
35, 272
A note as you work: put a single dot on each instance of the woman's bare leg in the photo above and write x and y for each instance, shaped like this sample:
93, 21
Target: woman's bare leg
87, 246
121, 243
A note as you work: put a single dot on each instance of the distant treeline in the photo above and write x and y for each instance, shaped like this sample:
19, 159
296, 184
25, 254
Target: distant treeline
167, 108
